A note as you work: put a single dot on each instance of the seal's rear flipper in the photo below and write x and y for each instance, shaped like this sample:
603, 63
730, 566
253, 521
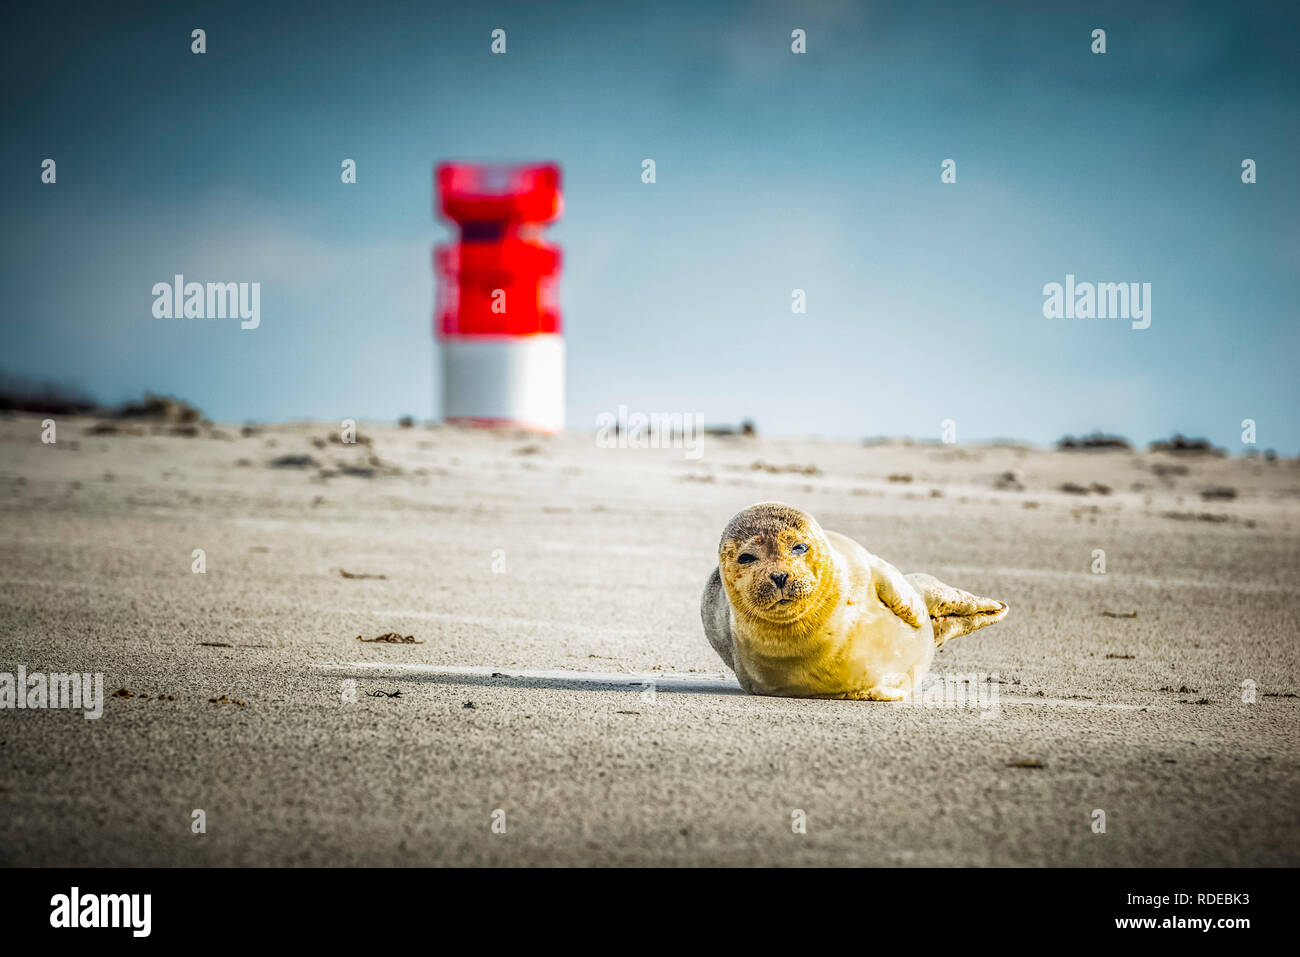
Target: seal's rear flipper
954, 612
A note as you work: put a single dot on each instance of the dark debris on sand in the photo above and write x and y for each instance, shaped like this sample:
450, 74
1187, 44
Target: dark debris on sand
1095, 442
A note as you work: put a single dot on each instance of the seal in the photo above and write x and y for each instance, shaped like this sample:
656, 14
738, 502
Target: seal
799, 612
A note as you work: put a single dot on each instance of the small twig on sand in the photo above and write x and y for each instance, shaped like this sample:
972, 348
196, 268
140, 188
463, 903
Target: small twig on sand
393, 638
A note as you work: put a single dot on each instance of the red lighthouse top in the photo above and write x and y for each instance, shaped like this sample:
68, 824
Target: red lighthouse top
471, 193
499, 279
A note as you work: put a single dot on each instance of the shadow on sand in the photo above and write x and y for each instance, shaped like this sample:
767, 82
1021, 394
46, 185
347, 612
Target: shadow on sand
552, 680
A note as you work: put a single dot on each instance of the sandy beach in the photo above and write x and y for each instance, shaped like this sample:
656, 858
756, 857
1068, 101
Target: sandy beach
558, 684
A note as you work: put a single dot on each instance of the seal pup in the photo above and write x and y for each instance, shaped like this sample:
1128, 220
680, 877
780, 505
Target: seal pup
800, 612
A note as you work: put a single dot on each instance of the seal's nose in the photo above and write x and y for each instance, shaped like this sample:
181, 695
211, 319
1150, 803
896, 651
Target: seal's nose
780, 578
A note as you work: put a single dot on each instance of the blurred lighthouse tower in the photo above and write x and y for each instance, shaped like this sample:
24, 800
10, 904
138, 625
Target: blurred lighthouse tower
497, 315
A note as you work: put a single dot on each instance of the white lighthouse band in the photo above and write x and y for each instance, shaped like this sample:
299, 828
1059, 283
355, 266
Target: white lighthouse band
504, 380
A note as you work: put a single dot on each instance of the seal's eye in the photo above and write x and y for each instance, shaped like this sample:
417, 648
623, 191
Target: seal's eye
746, 558
798, 549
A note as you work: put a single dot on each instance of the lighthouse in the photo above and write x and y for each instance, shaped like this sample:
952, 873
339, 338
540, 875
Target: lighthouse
497, 312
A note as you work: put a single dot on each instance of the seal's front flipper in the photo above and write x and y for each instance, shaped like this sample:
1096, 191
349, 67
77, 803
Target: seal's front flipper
954, 612
894, 594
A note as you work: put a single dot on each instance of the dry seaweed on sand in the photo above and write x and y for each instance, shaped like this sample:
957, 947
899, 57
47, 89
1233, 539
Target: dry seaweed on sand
361, 575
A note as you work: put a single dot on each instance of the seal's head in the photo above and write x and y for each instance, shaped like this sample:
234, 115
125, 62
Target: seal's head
775, 563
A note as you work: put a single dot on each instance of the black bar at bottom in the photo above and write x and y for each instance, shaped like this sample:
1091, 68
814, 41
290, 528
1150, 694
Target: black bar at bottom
387, 907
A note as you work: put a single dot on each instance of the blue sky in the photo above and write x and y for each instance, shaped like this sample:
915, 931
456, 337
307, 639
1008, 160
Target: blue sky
775, 172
